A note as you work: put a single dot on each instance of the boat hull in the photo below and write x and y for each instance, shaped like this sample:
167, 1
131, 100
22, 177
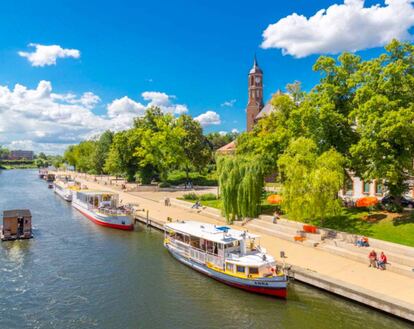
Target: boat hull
104, 221
276, 286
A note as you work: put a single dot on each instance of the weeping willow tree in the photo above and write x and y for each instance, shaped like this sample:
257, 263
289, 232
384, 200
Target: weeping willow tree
241, 184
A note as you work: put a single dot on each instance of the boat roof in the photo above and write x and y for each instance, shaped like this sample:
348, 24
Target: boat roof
96, 192
211, 232
16, 213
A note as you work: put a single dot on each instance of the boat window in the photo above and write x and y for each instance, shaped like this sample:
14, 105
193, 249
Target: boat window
240, 269
253, 270
106, 197
230, 267
195, 242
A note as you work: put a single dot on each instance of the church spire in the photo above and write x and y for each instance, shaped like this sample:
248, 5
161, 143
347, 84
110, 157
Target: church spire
255, 93
255, 68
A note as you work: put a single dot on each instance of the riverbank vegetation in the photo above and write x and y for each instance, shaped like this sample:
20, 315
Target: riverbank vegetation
40, 160
358, 119
159, 147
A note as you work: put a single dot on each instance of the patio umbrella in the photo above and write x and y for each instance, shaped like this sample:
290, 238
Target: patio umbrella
368, 201
274, 199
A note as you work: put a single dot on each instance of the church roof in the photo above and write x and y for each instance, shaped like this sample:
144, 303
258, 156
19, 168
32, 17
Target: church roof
228, 148
265, 111
268, 108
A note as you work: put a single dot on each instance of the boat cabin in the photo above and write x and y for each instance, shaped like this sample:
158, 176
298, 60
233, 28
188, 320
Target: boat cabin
232, 251
97, 199
17, 224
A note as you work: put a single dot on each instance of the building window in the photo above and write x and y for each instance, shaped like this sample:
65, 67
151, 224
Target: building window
253, 270
240, 269
349, 186
379, 189
366, 187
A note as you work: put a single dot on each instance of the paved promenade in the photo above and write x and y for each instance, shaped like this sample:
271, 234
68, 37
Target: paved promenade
384, 285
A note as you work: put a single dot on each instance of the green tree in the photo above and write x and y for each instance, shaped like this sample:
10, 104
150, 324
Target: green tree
241, 184
310, 181
103, 145
84, 160
323, 114
271, 135
159, 145
56, 160
196, 150
4, 152
70, 155
121, 160
384, 117
217, 140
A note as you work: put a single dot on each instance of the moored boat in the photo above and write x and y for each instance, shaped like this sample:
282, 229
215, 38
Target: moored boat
42, 173
103, 209
65, 188
231, 256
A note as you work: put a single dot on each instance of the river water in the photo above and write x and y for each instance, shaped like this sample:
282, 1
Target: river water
75, 274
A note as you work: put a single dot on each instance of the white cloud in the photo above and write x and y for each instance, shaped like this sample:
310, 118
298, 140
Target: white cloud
208, 118
42, 120
341, 27
125, 105
164, 102
229, 103
235, 131
47, 55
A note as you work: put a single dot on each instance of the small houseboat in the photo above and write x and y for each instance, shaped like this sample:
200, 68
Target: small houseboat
17, 224
65, 188
103, 209
231, 256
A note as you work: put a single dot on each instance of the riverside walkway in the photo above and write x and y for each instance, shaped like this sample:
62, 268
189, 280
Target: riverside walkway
384, 290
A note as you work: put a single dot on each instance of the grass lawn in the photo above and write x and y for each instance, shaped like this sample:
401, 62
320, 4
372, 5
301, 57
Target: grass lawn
212, 203
398, 228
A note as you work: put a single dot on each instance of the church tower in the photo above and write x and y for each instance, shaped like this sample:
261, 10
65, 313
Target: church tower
255, 87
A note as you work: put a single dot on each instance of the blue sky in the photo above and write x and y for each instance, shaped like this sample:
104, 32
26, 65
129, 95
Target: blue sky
199, 52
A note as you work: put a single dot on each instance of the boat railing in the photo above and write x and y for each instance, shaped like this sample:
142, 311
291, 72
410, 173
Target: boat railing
198, 254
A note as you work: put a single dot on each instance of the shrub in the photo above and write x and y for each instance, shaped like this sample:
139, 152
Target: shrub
164, 184
208, 196
190, 196
392, 207
179, 178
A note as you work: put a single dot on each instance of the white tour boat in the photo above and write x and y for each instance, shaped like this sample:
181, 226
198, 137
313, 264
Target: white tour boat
65, 188
103, 209
231, 256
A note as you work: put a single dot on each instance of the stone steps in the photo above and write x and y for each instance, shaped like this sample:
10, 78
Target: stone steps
294, 230
392, 256
363, 258
288, 236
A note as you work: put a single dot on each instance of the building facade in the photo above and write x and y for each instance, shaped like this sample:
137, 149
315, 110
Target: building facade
21, 155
